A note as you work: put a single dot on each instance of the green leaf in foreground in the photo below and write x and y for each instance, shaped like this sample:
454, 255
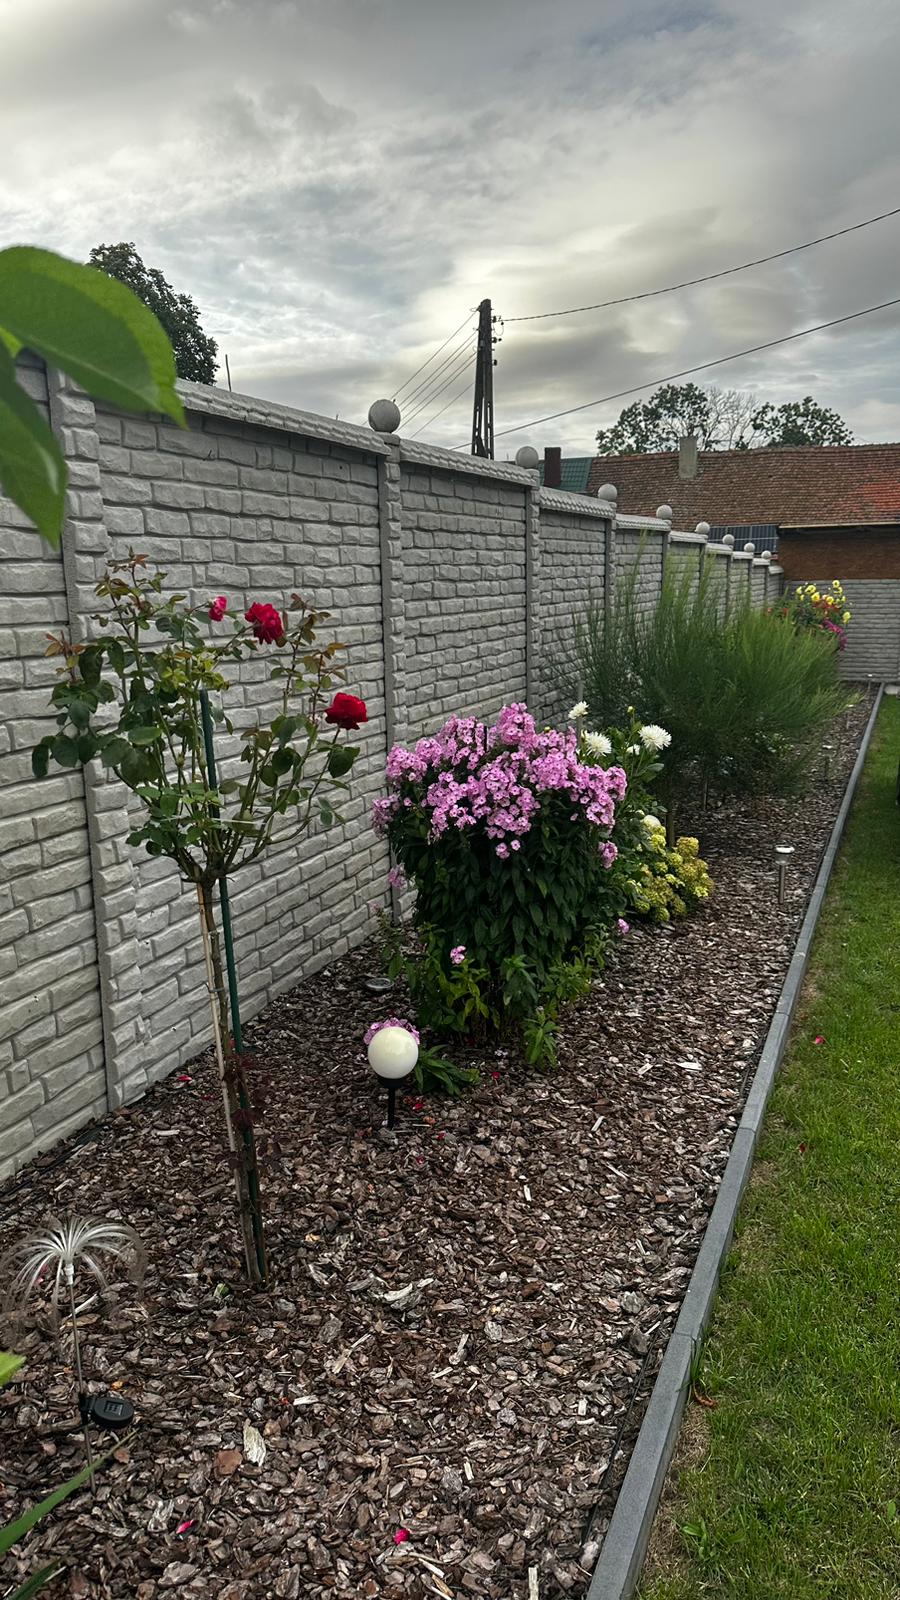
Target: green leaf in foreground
92, 326
14, 1531
37, 1581
32, 470
9, 1365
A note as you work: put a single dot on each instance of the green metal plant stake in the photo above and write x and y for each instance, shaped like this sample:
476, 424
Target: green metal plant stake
238, 1103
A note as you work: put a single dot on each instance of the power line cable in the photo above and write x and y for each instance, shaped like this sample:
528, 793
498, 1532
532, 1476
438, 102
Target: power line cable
459, 393
709, 277
702, 366
417, 415
430, 358
449, 378
429, 379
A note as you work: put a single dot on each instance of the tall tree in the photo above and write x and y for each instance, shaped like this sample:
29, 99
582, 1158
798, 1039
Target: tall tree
658, 423
720, 419
195, 352
800, 422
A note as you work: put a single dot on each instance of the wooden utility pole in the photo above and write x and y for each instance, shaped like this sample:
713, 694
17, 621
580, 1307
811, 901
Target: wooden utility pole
483, 406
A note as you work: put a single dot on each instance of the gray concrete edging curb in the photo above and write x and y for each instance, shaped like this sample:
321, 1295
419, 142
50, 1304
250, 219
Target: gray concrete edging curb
623, 1550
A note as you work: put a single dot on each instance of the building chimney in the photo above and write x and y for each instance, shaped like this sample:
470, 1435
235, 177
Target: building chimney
552, 467
687, 456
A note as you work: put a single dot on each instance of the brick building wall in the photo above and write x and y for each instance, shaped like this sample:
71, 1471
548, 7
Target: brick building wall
451, 580
869, 553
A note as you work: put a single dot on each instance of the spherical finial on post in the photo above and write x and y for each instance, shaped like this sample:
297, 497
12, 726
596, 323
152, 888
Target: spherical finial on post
384, 416
766, 555
527, 457
608, 491
664, 513
749, 548
703, 527
728, 538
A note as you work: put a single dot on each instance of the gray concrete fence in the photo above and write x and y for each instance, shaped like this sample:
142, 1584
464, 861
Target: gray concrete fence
452, 580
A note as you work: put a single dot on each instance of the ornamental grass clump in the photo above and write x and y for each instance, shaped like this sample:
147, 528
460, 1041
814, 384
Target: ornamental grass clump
745, 699
505, 832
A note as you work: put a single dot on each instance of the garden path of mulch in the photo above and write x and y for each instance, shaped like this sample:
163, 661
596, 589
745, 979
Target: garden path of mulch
543, 1229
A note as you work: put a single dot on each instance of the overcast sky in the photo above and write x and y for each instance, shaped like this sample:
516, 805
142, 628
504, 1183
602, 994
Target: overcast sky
338, 182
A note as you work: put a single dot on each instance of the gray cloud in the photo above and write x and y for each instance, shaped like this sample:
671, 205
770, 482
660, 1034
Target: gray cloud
337, 182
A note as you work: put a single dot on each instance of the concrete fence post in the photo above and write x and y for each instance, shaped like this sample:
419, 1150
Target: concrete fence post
533, 642
609, 493
85, 550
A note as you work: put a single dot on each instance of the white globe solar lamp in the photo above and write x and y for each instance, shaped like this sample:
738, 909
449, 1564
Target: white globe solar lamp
703, 529
608, 491
767, 555
384, 416
728, 538
527, 457
749, 548
664, 513
393, 1053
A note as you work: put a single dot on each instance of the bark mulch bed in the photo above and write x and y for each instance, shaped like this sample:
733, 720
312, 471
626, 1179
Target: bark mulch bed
466, 1316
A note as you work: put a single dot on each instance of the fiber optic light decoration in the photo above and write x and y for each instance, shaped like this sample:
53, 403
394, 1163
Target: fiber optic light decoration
50, 1258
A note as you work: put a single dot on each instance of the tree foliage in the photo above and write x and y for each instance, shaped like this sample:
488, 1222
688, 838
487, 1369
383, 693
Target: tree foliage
719, 419
195, 351
800, 422
98, 332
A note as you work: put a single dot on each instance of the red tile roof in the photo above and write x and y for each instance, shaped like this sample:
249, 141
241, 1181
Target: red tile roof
812, 486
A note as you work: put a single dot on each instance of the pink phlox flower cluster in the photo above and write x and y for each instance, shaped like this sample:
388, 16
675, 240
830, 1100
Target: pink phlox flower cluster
390, 1022
470, 774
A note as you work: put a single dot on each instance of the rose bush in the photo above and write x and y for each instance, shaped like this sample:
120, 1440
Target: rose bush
135, 698
505, 832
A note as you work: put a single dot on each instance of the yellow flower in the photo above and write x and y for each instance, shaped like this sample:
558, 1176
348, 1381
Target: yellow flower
845, 617
817, 597
799, 589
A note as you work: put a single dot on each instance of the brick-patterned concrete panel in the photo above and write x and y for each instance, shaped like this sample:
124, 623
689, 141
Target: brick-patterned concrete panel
640, 554
302, 516
573, 573
51, 1058
464, 595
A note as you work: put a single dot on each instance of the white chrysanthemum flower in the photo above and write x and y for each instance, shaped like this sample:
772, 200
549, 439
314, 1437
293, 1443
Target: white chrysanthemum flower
654, 738
598, 744
650, 822
634, 749
578, 711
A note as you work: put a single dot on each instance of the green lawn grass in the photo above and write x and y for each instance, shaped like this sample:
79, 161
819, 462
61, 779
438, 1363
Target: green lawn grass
789, 1484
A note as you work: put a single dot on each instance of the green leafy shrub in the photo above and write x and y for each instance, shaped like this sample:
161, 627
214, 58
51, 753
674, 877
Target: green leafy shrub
505, 832
667, 881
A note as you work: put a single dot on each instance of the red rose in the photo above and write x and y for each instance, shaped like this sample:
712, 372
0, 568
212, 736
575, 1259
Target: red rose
218, 608
266, 621
346, 711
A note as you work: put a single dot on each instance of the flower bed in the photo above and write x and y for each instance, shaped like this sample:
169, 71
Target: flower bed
464, 1310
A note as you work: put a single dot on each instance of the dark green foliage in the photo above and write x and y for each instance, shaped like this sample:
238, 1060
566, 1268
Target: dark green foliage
525, 923
719, 419
195, 351
799, 422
